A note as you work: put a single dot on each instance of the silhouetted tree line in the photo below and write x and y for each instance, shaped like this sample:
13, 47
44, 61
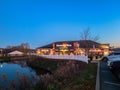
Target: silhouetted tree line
23, 47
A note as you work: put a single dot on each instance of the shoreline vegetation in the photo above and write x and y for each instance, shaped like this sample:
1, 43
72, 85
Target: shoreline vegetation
12, 58
63, 74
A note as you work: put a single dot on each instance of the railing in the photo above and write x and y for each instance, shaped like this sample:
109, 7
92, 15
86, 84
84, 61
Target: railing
67, 57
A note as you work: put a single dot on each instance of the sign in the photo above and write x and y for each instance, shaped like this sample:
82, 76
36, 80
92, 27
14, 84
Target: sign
61, 45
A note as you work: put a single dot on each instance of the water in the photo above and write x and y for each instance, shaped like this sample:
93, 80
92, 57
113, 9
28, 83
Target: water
13, 71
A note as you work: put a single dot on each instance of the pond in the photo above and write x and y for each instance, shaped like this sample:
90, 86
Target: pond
15, 74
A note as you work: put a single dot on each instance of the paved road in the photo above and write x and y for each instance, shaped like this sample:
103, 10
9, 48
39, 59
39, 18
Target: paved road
107, 79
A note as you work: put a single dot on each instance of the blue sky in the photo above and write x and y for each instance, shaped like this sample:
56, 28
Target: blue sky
40, 22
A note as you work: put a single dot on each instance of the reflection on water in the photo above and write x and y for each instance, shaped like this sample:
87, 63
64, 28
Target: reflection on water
11, 73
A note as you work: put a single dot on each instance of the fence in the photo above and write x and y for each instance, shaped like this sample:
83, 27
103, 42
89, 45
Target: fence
67, 57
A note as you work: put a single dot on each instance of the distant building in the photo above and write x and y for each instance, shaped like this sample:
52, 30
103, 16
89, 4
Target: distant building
4, 51
79, 47
16, 53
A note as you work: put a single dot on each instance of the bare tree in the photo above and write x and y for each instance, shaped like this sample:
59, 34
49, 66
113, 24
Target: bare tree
25, 47
86, 35
96, 38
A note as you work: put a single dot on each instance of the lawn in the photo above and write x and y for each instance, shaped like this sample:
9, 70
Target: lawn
87, 79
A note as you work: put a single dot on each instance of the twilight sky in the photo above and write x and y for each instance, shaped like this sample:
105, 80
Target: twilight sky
40, 22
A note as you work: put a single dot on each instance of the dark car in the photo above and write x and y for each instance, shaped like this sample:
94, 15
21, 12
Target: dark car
115, 68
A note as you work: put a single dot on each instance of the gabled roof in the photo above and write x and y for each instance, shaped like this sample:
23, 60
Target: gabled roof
16, 52
46, 46
83, 44
89, 44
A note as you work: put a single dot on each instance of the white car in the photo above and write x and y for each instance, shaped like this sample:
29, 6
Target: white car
112, 60
111, 56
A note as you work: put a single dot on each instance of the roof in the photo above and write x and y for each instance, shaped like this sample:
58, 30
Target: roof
16, 52
83, 44
47, 46
89, 44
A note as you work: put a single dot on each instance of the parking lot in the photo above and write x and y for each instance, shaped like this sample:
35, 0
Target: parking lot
108, 80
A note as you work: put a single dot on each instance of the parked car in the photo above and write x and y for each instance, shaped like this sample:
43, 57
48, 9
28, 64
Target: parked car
111, 56
115, 67
112, 60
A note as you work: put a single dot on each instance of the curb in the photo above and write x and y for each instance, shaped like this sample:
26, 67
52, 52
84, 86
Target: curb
98, 77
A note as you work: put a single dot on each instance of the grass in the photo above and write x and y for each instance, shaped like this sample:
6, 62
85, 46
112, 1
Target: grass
5, 58
8, 58
48, 64
87, 79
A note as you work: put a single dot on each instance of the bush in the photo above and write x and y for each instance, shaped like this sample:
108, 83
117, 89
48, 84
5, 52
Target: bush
63, 76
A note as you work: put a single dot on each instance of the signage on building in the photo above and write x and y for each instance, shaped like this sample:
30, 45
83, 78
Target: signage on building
61, 45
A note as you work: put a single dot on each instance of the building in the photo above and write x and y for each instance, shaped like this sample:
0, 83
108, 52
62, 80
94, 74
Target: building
78, 47
4, 51
16, 53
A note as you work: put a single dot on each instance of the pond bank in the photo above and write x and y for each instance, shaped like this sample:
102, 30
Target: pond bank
11, 58
66, 74
63, 74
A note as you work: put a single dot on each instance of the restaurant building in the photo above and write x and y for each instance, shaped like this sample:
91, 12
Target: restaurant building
78, 47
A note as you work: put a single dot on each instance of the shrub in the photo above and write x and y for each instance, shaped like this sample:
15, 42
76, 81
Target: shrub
63, 76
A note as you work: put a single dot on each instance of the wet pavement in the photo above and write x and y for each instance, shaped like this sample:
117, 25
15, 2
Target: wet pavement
108, 80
